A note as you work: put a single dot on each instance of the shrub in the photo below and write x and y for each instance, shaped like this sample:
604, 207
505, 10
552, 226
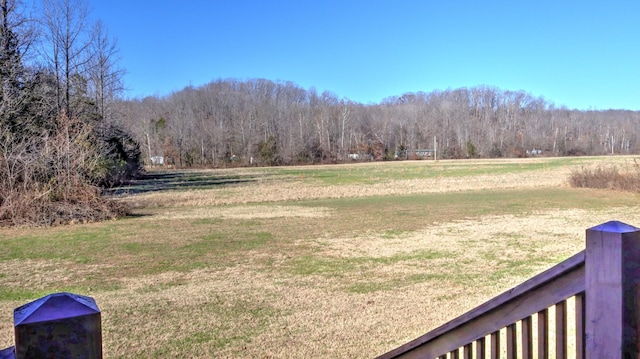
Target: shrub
607, 177
54, 178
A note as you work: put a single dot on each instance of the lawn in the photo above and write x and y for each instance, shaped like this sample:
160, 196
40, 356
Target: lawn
341, 261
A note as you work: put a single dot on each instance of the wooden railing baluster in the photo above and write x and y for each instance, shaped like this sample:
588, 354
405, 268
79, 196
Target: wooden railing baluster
543, 334
467, 351
480, 348
580, 322
561, 330
495, 345
527, 338
512, 342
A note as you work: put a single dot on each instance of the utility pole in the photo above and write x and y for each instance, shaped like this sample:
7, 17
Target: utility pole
435, 149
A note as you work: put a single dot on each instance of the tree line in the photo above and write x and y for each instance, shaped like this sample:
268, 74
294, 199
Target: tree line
66, 132
59, 141
231, 122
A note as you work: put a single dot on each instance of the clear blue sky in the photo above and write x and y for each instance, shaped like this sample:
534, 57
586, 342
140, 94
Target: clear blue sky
581, 54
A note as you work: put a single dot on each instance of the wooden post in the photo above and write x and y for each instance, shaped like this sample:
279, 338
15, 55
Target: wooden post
435, 148
612, 275
59, 325
8, 353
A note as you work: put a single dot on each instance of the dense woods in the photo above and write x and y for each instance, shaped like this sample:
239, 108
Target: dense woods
262, 122
59, 143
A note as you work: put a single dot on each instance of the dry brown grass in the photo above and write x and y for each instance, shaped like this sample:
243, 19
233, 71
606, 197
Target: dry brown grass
304, 188
333, 281
608, 176
314, 316
267, 191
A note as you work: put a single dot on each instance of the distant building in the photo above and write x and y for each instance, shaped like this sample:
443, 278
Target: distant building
423, 152
157, 160
419, 153
362, 156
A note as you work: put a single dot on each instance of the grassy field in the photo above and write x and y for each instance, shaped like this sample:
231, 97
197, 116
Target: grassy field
345, 261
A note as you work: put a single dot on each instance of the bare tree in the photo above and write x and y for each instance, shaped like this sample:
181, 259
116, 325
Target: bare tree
231, 121
105, 77
17, 34
67, 36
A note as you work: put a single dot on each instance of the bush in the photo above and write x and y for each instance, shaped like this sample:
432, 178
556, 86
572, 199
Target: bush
54, 178
607, 177
268, 152
122, 158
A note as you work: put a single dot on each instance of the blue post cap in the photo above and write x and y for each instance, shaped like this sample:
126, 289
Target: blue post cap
53, 307
614, 227
9, 353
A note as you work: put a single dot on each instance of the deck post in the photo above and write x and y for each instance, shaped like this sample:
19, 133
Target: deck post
612, 277
59, 325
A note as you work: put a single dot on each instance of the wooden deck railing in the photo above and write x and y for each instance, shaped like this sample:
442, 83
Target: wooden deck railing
602, 283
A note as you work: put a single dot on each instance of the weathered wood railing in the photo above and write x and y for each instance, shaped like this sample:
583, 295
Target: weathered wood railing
602, 283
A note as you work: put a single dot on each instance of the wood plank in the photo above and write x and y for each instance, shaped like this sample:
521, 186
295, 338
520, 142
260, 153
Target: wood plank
495, 345
527, 338
580, 322
480, 348
467, 351
612, 283
561, 330
512, 342
543, 334
455, 354
556, 284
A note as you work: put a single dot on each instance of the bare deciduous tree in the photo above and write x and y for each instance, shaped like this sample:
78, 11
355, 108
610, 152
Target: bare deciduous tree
105, 77
67, 35
53, 155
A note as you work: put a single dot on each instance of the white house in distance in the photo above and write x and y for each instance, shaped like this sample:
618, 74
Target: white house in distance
157, 160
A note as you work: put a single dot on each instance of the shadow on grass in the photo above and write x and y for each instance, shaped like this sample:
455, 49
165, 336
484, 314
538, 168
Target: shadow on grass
157, 181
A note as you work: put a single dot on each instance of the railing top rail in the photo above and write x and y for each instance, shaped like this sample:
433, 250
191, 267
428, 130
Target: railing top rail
554, 273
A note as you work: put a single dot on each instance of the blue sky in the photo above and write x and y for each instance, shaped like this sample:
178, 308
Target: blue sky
580, 54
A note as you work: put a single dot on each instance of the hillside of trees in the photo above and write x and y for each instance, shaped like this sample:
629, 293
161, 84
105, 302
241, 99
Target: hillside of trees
261, 122
66, 132
59, 141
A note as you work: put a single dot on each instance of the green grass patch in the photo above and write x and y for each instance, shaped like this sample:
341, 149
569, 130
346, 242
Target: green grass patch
79, 244
223, 243
393, 215
369, 286
20, 294
28, 294
207, 221
333, 266
393, 233
378, 173
222, 332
